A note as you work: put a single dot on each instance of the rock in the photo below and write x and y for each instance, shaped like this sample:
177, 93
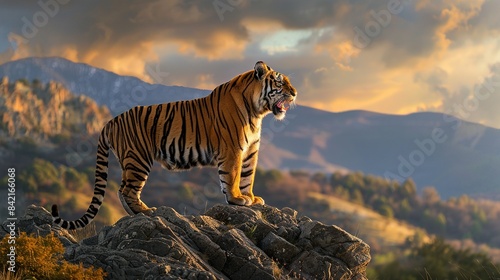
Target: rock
279, 248
38, 221
312, 265
227, 242
244, 259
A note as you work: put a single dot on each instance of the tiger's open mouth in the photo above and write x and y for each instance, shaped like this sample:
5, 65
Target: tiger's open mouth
281, 106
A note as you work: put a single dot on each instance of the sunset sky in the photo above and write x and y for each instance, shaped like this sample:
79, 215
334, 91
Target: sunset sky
387, 56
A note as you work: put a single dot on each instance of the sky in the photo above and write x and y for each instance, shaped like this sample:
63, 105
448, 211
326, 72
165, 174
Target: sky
387, 56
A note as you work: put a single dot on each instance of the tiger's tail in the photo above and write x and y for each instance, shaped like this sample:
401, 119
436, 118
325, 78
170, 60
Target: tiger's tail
101, 179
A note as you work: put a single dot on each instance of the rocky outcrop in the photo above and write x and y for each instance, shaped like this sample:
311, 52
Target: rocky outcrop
227, 242
44, 110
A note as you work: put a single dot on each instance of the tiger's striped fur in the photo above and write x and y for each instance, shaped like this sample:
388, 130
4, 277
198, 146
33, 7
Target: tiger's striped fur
220, 129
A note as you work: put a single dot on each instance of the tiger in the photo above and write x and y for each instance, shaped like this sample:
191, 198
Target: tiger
222, 129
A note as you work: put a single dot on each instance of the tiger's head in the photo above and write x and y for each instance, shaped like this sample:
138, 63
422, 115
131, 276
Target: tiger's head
276, 94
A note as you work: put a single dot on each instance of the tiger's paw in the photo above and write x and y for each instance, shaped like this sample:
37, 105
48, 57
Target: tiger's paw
149, 211
257, 200
241, 200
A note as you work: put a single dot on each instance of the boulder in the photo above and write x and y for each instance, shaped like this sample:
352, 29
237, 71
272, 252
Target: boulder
226, 242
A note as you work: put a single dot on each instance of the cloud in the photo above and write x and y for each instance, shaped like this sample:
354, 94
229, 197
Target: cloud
416, 56
99, 32
435, 79
123, 38
476, 103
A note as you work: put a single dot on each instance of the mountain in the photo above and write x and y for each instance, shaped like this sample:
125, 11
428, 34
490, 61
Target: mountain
455, 156
118, 93
40, 111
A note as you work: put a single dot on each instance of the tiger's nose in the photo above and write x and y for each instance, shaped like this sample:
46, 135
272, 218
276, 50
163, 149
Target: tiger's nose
293, 93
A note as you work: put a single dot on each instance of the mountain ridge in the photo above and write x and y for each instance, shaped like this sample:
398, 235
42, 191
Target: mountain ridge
398, 147
117, 92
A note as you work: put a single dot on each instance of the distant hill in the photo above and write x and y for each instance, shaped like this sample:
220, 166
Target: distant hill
41, 111
118, 93
465, 159
455, 156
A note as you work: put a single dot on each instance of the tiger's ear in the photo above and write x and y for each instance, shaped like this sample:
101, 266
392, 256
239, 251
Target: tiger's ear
261, 70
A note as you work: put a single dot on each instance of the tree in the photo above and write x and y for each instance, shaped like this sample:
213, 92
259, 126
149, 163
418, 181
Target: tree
55, 188
71, 203
439, 260
36, 83
75, 180
354, 180
430, 195
336, 179
434, 222
27, 182
417, 240
266, 180
357, 197
409, 188
341, 192
27, 146
105, 215
273, 176
44, 171
386, 211
24, 81
319, 178
299, 174
404, 209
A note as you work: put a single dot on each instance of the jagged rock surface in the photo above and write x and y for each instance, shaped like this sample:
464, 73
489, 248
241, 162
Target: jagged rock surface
227, 242
40, 111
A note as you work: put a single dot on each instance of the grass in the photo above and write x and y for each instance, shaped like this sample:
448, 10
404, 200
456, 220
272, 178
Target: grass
86, 232
251, 233
7, 275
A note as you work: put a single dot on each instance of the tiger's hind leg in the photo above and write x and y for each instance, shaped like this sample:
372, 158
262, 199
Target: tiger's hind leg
130, 192
124, 203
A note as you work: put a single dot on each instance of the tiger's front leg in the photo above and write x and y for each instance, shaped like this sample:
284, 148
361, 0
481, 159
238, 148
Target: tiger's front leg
247, 175
229, 175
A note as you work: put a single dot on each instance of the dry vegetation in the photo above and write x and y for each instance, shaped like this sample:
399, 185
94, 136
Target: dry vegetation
41, 258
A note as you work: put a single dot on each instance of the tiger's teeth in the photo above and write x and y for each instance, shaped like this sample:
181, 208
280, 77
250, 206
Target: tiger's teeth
284, 106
